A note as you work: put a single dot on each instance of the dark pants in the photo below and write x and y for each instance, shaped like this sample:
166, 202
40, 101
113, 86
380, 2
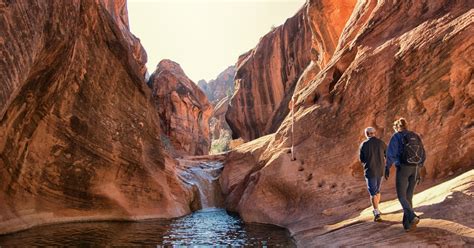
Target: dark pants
405, 182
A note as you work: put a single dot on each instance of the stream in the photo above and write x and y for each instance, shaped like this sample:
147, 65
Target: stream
210, 226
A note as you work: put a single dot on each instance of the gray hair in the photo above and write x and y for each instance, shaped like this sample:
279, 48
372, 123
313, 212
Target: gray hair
369, 132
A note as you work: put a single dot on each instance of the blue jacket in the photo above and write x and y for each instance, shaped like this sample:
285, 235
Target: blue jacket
395, 150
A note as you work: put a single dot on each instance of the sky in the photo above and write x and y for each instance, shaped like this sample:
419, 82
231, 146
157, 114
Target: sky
204, 36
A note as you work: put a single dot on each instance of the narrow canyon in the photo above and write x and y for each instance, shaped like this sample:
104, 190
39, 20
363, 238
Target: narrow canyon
85, 135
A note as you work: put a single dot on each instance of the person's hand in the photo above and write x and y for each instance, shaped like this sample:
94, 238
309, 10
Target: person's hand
387, 173
419, 178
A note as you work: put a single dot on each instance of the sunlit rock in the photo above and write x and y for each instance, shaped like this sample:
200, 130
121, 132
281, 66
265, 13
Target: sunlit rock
266, 77
391, 59
183, 108
79, 134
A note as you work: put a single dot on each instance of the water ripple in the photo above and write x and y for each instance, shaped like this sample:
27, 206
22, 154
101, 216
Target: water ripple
209, 227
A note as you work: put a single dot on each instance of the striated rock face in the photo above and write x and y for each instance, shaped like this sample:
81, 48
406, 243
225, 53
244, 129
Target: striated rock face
119, 13
221, 87
393, 59
79, 134
266, 77
219, 92
183, 108
218, 115
327, 19
220, 131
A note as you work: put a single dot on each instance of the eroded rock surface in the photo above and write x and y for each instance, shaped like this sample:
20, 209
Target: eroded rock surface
327, 19
218, 123
79, 134
219, 92
266, 77
444, 210
119, 13
393, 59
219, 88
183, 108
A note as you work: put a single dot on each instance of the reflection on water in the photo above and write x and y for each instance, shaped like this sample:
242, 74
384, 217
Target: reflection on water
205, 227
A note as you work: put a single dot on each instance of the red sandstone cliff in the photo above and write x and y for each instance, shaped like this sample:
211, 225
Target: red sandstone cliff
119, 13
327, 20
221, 87
219, 92
79, 134
266, 77
392, 59
220, 131
183, 108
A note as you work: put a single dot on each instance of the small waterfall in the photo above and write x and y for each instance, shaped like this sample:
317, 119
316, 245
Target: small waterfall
205, 176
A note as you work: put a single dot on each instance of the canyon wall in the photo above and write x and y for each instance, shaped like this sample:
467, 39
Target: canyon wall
287, 57
326, 19
221, 134
392, 59
79, 133
219, 88
183, 108
266, 77
119, 13
219, 91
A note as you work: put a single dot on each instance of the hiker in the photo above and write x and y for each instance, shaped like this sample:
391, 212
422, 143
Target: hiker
372, 156
406, 151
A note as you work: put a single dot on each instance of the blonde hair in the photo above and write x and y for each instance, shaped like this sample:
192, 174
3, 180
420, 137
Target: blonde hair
400, 124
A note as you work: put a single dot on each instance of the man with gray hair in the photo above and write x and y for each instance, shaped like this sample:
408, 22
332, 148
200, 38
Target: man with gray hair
372, 155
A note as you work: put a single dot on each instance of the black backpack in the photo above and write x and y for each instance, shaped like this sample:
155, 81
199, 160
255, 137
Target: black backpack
413, 150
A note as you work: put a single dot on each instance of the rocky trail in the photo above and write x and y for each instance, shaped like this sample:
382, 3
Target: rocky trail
446, 220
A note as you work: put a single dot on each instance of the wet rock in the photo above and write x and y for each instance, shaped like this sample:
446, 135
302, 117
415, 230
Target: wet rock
202, 176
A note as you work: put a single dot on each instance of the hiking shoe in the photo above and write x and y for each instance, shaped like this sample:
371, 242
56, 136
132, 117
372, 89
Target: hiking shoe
415, 221
377, 218
413, 224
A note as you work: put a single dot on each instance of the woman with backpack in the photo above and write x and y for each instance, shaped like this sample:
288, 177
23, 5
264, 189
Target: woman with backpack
406, 151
